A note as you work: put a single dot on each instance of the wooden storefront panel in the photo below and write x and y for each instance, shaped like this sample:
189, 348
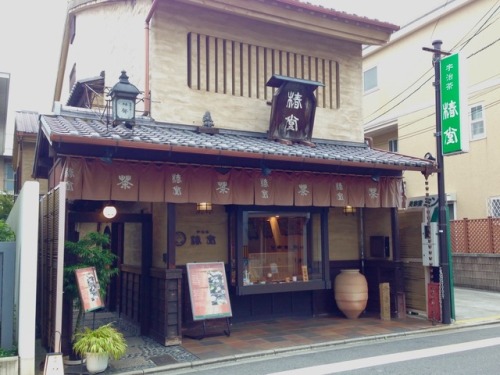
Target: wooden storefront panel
411, 255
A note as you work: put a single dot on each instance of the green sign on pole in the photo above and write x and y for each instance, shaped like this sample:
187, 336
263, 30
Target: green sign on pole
454, 130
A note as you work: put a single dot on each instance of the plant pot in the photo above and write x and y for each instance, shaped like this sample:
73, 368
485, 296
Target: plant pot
9, 365
96, 362
351, 292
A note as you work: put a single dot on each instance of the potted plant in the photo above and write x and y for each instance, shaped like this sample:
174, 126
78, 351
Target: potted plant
98, 345
90, 251
9, 361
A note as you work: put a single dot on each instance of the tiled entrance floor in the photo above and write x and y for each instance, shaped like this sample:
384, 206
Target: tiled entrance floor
290, 331
246, 338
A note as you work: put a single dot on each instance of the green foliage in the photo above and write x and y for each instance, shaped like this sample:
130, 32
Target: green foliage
8, 353
105, 339
6, 204
6, 234
90, 251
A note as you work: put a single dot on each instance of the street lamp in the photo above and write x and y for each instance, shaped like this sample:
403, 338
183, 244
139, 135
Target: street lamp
123, 96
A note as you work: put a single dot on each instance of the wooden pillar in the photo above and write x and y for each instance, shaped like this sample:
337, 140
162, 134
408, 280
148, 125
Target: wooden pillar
399, 292
171, 224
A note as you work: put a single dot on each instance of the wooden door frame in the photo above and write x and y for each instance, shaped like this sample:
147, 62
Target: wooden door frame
147, 250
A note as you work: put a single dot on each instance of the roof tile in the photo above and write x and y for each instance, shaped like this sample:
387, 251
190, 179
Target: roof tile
79, 124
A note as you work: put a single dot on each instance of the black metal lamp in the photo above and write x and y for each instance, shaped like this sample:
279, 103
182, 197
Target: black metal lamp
123, 96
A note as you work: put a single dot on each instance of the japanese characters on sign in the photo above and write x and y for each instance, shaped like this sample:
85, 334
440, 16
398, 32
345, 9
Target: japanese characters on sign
89, 289
454, 133
208, 290
293, 108
170, 183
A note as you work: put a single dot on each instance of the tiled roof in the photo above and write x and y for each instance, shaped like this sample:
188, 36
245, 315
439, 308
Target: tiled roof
80, 126
346, 17
26, 122
96, 84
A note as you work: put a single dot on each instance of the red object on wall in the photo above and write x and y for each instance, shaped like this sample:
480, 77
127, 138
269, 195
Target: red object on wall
433, 306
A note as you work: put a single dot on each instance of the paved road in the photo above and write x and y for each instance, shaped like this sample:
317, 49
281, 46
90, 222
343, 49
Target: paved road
471, 350
476, 304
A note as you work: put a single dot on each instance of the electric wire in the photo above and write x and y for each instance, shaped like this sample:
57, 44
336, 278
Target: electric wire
480, 29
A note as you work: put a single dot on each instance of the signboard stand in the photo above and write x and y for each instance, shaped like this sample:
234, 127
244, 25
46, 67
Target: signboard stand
204, 334
209, 294
89, 289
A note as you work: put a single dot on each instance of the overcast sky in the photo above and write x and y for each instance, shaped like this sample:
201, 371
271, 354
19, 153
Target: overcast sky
31, 32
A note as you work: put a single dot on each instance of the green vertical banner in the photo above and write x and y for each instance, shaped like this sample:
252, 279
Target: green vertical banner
454, 119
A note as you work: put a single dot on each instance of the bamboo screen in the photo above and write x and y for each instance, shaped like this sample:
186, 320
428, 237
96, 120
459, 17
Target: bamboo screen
47, 266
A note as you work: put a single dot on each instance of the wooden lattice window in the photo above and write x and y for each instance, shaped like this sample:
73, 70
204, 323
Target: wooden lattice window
241, 69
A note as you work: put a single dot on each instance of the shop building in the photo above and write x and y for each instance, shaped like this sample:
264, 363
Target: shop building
244, 145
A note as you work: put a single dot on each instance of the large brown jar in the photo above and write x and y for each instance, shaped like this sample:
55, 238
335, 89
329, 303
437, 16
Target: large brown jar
351, 292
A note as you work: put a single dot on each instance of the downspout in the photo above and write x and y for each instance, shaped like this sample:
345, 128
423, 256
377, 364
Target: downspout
147, 89
362, 239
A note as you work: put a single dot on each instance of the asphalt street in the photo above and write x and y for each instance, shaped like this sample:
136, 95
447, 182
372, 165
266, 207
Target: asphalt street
471, 350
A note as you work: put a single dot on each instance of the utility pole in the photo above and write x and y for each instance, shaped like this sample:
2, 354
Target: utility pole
444, 258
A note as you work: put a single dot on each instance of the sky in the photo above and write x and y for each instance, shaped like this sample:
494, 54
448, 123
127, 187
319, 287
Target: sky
31, 35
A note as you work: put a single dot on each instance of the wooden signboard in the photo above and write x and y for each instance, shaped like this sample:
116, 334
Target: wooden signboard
208, 290
89, 289
305, 274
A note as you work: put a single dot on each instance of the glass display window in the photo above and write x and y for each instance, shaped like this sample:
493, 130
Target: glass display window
281, 251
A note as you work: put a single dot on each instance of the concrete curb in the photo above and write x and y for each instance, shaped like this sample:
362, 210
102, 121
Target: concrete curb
460, 324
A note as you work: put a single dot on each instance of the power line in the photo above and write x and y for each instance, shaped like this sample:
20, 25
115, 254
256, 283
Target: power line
425, 130
481, 28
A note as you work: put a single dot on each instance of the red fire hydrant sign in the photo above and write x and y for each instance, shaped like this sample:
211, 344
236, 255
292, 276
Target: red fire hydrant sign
433, 306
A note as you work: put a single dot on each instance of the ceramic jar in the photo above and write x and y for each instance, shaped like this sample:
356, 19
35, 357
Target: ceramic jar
351, 292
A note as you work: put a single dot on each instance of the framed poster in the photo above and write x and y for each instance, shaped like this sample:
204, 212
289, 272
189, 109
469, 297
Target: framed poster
89, 289
208, 290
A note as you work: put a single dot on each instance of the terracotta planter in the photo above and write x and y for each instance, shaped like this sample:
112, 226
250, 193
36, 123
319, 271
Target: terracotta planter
351, 293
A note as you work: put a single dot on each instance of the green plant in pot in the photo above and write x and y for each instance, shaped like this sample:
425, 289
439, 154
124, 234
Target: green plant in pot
90, 251
98, 345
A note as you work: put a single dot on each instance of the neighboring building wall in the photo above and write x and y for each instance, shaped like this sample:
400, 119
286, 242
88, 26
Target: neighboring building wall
405, 94
23, 153
26, 165
477, 271
6, 175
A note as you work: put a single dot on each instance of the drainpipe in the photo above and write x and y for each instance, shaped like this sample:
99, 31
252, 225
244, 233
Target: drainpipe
362, 239
147, 89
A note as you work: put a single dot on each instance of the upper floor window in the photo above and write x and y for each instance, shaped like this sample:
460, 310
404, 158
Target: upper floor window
494, 207
477, 122
393, 145
370, 79
8, 177
240, 69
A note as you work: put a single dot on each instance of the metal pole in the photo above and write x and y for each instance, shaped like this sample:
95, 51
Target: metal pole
442, 226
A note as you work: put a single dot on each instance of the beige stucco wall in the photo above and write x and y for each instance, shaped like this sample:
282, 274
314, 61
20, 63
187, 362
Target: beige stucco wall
343, 233
27, 157
193, 224
110, 38
115, 43
403, 67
